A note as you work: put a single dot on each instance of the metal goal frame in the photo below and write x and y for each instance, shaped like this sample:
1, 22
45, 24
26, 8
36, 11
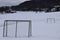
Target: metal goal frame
6, 23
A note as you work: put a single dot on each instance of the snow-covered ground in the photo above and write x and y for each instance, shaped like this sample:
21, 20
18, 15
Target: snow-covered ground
41, 29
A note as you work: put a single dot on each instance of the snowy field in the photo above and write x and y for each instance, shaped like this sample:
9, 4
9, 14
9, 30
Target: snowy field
45, 26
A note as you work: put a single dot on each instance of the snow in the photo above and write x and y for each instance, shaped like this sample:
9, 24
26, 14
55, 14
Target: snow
41, 29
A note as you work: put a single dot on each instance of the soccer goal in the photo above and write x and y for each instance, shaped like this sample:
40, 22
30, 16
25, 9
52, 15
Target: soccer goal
50, 20
17, 28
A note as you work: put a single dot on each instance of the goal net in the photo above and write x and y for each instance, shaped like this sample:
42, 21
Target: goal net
17, 28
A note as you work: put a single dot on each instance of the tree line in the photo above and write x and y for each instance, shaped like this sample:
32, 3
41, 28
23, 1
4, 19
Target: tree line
30, 6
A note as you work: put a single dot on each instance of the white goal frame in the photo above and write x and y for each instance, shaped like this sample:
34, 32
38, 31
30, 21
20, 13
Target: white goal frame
6, 23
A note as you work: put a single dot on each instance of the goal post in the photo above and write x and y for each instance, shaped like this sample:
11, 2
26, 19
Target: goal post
15, 28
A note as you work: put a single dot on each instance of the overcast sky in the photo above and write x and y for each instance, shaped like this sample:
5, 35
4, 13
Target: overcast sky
10, 2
